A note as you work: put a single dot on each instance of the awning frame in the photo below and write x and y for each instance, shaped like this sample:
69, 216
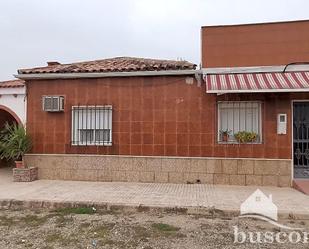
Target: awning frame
254, 80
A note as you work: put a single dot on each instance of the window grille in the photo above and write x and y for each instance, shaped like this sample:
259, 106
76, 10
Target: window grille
92, 125
239, 117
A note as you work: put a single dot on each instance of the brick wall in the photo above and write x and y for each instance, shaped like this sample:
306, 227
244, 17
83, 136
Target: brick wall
155, 116
255, 44
25, 174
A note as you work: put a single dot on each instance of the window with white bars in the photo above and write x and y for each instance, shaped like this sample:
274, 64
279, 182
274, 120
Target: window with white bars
92, 125
239, 122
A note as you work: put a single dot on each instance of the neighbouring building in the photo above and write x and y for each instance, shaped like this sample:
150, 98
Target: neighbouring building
260, 76
131, 119
12, 104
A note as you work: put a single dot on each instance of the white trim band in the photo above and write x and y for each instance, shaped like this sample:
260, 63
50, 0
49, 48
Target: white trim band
105, 75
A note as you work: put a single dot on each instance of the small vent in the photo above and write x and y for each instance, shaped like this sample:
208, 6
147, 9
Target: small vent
53, 103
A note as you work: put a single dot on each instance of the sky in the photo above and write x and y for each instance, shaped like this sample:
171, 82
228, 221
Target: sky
33, 32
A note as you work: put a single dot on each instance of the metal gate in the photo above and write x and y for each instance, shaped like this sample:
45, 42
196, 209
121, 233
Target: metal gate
301, 139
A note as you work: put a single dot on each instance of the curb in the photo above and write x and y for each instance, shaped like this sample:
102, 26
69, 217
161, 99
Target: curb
209, 212
43, 204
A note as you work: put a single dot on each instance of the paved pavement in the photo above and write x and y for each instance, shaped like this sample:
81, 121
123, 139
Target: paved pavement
226, 198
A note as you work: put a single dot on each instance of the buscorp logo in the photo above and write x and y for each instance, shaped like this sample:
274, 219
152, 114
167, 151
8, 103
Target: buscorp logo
260, 206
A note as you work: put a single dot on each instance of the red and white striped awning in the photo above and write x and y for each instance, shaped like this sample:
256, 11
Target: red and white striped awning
257, 82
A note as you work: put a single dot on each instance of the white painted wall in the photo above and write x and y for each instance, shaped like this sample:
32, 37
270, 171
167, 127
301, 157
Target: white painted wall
16, 103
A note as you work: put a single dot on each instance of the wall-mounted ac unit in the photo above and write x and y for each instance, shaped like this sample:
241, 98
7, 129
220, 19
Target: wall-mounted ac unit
53, 103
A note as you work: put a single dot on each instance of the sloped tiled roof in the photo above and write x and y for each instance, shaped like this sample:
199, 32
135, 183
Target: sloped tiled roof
118, 64
12, 84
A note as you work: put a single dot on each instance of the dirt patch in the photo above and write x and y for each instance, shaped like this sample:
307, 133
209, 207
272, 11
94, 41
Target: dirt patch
88, 228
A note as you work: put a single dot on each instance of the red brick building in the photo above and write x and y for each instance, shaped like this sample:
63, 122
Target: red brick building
129, 119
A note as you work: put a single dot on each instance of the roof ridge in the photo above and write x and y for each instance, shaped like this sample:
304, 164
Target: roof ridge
114, 64
123, 57
12, 83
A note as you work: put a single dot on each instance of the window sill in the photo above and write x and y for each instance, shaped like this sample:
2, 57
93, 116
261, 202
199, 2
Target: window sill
234, 143
105, 144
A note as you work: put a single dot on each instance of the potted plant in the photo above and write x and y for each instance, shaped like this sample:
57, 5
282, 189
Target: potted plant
14, 144
245, 137
225, 134
252, 137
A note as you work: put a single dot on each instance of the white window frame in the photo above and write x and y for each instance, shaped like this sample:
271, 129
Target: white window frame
60, 100
260, 132
73, 128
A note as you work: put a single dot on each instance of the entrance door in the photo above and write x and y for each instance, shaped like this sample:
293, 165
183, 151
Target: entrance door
301, 139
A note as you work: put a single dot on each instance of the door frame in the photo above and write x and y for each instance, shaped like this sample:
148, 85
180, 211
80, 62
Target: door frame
292, 131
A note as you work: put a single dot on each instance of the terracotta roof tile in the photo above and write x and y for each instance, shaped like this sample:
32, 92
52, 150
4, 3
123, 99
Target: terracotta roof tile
12, 84
118, 64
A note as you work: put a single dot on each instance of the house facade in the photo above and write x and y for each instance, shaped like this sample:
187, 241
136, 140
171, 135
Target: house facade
12, 104
131, 119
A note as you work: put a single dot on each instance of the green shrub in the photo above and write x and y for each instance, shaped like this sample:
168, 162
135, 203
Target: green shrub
164, 227
77, 210
14, 142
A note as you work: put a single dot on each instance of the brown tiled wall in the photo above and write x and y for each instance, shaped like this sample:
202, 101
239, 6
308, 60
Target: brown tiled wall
151, 115
163, 169
154, 116
255, 45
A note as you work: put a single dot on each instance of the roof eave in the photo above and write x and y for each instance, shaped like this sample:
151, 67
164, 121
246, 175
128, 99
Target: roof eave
105, 75
255, 69
11, 87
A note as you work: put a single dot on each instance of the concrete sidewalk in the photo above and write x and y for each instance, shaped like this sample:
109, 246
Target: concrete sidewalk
197, 197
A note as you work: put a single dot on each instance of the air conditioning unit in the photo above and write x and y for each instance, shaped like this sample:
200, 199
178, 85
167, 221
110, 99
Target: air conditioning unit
53, 103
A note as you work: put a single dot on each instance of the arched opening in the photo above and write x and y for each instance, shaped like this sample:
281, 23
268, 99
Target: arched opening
7, 116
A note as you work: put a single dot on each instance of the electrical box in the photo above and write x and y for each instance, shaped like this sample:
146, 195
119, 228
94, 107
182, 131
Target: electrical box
281, 123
